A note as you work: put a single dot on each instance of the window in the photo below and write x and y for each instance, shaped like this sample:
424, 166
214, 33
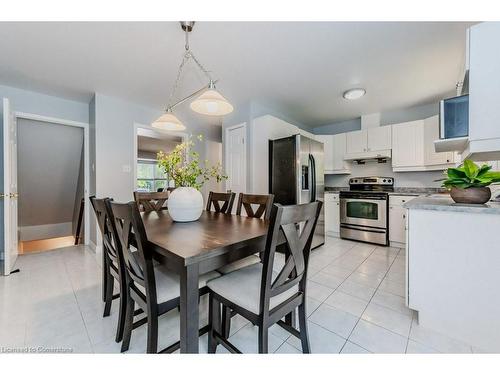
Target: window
150, 177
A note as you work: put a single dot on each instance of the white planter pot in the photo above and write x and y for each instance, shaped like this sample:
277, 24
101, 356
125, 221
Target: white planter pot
185, 204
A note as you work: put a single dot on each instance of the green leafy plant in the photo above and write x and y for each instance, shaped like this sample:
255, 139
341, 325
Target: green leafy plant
468, 175
182, 165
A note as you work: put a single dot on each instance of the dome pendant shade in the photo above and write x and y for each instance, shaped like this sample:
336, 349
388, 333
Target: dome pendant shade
168, 121
211, 103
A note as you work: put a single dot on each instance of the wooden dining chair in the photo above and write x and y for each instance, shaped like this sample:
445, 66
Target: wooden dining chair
215, 200
151, 285
148, 202
113, 267
265, 296
256, 206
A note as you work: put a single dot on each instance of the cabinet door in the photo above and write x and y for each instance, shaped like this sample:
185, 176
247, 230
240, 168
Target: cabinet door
397, 224
379, 138
332, 213
356, 142
328, 151
431, 134
408, 144
339, 150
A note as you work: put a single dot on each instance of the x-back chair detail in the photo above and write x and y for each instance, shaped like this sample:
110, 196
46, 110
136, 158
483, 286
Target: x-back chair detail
265, 296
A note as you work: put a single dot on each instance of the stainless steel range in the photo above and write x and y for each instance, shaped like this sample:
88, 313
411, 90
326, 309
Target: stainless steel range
364, 209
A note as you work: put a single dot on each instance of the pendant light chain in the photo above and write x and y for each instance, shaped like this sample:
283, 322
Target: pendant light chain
188, 55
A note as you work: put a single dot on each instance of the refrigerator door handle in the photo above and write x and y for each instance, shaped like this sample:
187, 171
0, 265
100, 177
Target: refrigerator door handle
313, 178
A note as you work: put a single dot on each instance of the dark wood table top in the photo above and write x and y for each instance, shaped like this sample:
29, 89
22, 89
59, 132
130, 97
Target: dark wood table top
212, 235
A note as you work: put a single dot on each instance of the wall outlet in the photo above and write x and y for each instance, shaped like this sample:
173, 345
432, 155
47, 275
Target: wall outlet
126, 168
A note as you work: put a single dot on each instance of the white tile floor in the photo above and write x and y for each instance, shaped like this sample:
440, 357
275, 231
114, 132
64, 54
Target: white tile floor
355, 305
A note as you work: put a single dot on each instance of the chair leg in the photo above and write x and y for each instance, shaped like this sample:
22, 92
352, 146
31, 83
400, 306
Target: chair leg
304, 335
105, 272
214, 322
226, 321
263, 339
129, 321
122, 312
109, 293
152, 343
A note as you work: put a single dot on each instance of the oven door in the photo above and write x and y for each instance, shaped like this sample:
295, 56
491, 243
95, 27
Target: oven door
364, 212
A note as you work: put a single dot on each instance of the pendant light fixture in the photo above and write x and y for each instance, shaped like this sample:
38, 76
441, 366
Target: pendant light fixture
209, 101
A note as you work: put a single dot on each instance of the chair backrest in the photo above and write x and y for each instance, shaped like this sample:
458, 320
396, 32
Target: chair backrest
264, 203
296, 224
148, 202
214, 200
129, 230
112, 248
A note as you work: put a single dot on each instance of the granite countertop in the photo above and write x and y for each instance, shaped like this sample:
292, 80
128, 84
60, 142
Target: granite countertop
447, 204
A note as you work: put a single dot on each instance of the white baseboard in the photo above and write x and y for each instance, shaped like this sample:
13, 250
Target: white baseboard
41, 232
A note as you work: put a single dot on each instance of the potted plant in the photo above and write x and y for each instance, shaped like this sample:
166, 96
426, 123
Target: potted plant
469, 182
182, 165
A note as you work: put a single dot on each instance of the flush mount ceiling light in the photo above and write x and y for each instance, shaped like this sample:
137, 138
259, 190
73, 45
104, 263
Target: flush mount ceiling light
354, 94
209, 102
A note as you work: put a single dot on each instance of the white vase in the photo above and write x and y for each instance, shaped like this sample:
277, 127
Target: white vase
185, 204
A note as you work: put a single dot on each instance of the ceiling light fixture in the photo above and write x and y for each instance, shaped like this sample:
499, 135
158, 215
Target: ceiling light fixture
209, 102
354, 94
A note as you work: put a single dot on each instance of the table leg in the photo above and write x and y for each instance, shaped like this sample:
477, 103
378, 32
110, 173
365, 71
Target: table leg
189, 309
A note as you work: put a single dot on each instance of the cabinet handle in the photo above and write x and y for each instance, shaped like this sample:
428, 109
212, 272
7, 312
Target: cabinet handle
447, 160
404, 216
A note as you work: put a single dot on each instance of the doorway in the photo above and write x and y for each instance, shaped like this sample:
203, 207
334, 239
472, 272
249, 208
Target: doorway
50, 179
236, 158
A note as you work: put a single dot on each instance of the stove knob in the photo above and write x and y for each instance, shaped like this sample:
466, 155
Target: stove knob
384, 180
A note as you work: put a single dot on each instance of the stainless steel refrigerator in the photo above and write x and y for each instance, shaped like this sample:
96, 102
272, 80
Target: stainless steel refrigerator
296, 175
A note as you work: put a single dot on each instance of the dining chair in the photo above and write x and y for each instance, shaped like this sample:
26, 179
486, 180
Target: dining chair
113, 267
265, 296
256, 206
215, 199
151, 285
148, 202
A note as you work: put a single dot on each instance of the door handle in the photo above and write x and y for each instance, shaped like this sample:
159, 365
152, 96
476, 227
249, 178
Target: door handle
14, 195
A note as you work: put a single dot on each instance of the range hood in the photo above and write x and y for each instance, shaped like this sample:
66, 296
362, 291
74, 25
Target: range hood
377, 156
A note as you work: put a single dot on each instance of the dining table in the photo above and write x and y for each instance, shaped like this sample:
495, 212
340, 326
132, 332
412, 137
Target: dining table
191, 249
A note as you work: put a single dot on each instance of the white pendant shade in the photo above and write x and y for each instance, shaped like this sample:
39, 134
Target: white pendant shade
211, 103
168, 121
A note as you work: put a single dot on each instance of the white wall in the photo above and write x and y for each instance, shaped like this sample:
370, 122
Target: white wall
114, 124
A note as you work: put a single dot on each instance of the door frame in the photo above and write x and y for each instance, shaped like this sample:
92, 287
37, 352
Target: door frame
138, 126
86, 159
245, 150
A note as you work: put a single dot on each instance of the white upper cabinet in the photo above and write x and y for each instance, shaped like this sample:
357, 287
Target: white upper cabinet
334, 152
413, 147
431, 134
356, 142
367, 143
379, 138
408, 144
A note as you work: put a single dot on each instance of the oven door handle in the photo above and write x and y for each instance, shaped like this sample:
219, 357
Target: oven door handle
362, 229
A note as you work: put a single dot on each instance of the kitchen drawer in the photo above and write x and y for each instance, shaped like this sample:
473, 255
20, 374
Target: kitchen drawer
399, 200
331, 197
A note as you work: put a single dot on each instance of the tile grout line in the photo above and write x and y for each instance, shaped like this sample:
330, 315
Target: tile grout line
378, 286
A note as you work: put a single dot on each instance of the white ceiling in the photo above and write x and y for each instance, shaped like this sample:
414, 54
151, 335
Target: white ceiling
299, 68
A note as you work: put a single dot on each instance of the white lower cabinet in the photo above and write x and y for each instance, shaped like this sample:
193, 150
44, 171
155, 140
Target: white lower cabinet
397, 219
332, 214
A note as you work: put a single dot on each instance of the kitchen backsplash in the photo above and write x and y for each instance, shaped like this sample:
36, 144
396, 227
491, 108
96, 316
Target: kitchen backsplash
401, 179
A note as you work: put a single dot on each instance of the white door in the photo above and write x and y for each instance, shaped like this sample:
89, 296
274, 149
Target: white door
397, 223
236, 159
9, 188
379, 138
356, 142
